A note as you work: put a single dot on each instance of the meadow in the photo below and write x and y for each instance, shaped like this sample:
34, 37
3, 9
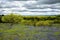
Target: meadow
23, 32
17, 27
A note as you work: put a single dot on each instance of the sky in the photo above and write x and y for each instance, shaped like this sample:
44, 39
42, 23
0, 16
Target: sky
30, 7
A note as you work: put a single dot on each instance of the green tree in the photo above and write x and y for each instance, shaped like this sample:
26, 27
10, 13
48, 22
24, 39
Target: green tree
12, 18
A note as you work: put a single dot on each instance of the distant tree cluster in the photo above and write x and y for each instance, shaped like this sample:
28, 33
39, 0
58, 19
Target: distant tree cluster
30, 20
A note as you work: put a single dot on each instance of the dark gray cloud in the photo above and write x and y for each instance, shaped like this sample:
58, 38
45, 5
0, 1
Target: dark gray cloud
35, 7
41, 1
48, 1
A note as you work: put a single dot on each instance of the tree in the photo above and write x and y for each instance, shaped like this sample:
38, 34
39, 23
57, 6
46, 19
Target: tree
12, 18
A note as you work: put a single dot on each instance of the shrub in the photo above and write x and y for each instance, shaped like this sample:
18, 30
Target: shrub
44, 23
12, 18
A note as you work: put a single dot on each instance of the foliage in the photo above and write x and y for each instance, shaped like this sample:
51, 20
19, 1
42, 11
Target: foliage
12, 18
43, 23
22, 32
31, 20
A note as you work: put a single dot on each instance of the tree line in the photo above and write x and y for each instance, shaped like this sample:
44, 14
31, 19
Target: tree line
30, 20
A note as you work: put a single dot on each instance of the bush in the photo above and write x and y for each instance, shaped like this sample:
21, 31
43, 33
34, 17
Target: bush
12, 18
44, 23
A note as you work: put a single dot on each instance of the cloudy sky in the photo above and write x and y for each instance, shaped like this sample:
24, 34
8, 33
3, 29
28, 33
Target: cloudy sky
30, 7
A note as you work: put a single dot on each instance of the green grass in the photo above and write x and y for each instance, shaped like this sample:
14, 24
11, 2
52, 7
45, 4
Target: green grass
22, 32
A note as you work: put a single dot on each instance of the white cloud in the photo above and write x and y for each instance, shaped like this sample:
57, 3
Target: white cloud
31, 2
27, 7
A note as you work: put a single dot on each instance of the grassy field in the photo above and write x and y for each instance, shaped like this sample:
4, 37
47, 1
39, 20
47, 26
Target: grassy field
22, 32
